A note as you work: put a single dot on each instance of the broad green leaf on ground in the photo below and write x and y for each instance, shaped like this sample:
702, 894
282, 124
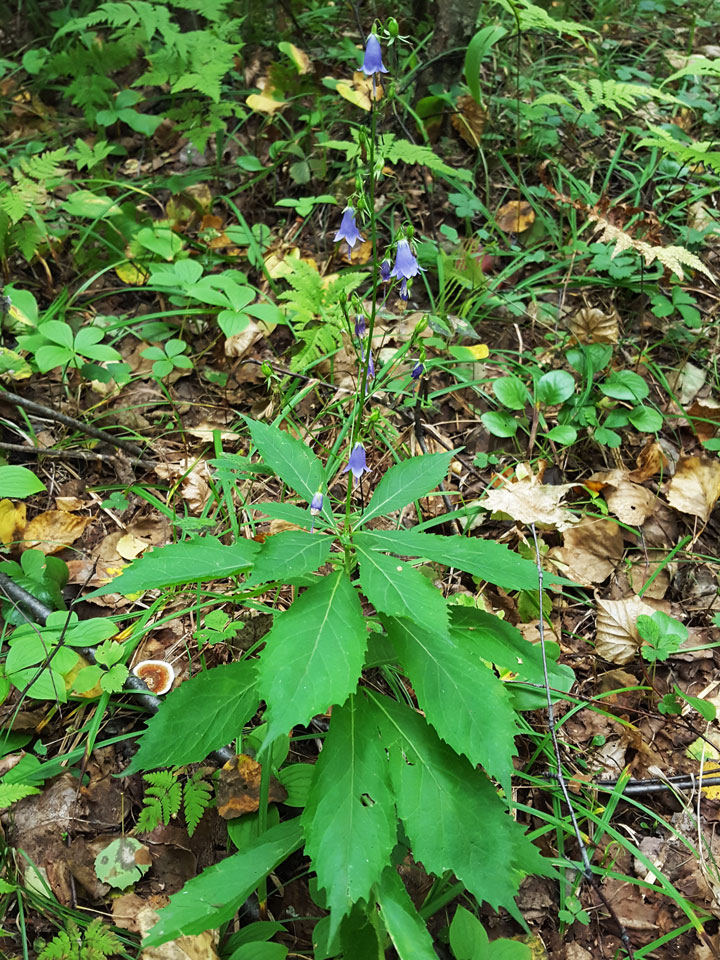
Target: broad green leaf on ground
470, 942
202, 714
213, 897
313, 655
202, 558
396, 588
450, 680
291, 459
405, 482
403, 923
498, 642
451, 812
350, 822
18, 482
289, 555
484, 559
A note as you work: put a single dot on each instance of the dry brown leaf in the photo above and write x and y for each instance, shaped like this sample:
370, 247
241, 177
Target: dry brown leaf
591, 550
206, 429
238, 788
617, 638
628, 501
199, 946
69, 504
529, 501
469, 120
687, 382
53, 530
193, 476
704, 417
592, 325
641, 572
239, 343
515, 216
695, 487
12, 522
651, 461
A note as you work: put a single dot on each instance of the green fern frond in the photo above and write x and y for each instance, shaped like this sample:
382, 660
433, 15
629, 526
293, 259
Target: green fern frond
163, 797
532, 17
395, 150
696, 66
44, 166
12, 792
196, 798
690, 153
70, 944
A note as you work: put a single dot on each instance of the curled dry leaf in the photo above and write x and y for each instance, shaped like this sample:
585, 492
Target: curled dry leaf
469, 121
238, 788
193, 476
206, 429
527, 500
53, 530
239, 343
592, 325
628, 501
651, 461
590, 552
617, 638
641, 572
695, 487
129, 546
687, 382
704, 417
515, 216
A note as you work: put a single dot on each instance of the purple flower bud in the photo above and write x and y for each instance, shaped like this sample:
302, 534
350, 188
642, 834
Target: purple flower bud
316, 504
348, 230
406, 265
373, 57
385, 271
371, 364
360, 326
357, 462
417, 371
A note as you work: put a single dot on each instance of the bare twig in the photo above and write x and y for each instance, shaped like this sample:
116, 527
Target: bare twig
42, 411
87, 455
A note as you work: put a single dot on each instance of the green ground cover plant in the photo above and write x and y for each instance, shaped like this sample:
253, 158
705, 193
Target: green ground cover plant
368, 349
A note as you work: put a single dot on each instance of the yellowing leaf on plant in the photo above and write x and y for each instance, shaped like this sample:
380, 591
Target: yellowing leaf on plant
276, 262
300, 59
13, 365
261, 103
12, 522
356, 97
515, 216
478, 351
695, 487
53, 530
132, 274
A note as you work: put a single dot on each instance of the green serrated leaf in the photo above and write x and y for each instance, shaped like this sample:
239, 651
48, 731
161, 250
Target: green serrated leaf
405, 482
396, 588
291, 459
202, 714
213, 897
484, 559
202, 558
450, 680
406, 927
350, 822
437, 794
316, 650
289, 555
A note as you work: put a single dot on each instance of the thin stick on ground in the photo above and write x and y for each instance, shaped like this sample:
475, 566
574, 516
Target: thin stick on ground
588, 874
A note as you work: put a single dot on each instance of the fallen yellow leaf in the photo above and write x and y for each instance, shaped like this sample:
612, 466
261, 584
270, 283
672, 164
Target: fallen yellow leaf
12, 522
54, 530
264, 104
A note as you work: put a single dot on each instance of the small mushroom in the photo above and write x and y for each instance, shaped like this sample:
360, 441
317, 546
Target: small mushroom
157, 674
